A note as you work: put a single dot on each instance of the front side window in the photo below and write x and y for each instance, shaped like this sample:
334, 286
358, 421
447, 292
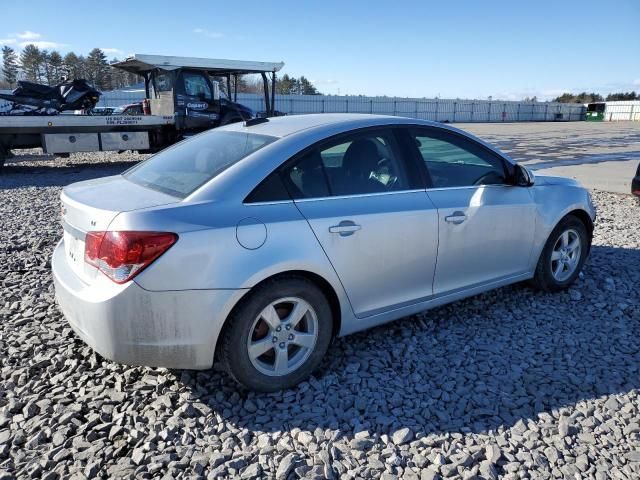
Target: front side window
358, 164
182, 169
196, 85
453, 161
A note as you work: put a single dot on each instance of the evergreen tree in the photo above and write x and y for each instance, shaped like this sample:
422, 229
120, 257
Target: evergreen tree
55, 66
31, 60
45, 66
623, 96
74, 65
98, 70
306, 87
285, 84
9, 66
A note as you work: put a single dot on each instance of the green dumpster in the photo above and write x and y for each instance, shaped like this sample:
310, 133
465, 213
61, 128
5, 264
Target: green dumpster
595, 112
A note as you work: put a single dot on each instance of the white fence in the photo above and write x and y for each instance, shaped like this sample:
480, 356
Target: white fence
622, 111
439, 110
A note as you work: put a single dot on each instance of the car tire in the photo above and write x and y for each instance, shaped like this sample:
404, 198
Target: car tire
251, 328
550, 275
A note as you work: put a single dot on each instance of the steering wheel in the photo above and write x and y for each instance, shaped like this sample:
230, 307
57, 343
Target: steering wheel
392, 182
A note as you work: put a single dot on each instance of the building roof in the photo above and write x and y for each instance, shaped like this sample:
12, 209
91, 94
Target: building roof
140, 63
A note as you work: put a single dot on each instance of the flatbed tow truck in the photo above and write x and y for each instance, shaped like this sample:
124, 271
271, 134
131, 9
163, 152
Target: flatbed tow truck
182, 99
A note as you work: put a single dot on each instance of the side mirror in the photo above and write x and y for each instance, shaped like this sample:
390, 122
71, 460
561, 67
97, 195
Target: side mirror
524, 177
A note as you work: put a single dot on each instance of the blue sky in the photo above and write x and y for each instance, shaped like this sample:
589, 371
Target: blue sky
464, 48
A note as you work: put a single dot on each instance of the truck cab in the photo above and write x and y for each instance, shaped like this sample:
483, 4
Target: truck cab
189, 89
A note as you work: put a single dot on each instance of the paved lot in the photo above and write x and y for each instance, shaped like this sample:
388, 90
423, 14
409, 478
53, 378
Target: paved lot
512, 384
601, 155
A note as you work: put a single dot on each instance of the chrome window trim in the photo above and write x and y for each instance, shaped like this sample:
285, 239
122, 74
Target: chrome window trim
273, 202
359, 195
463, 187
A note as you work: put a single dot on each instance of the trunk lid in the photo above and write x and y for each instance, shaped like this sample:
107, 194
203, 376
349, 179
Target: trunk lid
92, 205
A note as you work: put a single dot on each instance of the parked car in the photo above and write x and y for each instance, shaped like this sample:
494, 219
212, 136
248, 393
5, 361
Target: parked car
130, 109
102, 110
260, 241
635, 184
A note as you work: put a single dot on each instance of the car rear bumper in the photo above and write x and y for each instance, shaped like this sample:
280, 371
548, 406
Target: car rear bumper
131, 325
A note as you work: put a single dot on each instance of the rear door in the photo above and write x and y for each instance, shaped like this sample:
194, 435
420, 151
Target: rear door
369, 212
486, 224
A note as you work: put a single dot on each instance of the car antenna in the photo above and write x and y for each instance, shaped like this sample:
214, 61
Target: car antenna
255, 121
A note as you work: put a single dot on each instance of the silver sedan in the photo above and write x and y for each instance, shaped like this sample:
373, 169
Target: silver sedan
255, 244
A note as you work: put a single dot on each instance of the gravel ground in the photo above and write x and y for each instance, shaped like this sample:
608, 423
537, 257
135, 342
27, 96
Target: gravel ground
512, 384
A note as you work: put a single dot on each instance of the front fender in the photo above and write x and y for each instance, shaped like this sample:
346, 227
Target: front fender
553, 203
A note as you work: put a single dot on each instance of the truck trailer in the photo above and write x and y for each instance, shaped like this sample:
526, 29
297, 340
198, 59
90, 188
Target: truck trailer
182, 98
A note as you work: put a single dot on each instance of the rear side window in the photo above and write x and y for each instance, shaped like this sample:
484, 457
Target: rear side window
183, 168
355, 164
306, 178
271, 189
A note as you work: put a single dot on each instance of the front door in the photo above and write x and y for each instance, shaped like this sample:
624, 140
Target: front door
195, 101
486, 224
374, 222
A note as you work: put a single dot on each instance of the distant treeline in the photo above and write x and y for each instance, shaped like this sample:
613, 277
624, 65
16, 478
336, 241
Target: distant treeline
585, 97
285, 85
43, 66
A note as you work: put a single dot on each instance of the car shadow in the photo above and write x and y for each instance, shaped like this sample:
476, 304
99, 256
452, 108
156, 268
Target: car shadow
477, 365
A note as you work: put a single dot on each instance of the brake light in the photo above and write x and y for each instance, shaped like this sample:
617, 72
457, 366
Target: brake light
123, 255
92, 243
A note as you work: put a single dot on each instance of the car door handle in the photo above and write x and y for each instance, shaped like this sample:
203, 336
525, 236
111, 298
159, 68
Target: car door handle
456, 218
345, 228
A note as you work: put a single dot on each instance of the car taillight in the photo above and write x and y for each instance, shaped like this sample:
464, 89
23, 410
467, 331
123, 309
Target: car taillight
122, 255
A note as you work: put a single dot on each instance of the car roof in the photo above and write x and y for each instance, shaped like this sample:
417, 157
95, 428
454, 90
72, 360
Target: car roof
297, 124
288, 125
330, 123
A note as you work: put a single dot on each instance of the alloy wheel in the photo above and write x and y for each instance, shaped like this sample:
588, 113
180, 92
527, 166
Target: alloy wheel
283, 336
565, 255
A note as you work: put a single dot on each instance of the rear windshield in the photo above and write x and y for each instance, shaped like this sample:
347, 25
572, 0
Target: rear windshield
183, 168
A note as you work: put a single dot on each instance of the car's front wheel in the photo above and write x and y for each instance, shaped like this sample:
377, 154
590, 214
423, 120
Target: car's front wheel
563, 255
278, 335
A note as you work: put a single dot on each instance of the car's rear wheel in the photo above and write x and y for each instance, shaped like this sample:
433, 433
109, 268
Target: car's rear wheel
278, 335
563, 255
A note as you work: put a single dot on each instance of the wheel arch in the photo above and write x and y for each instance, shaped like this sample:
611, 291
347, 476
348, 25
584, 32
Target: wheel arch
582, 215
550, 222
324, 285
585, 218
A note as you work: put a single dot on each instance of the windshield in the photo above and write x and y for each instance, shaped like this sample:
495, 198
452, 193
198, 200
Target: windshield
183, 168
